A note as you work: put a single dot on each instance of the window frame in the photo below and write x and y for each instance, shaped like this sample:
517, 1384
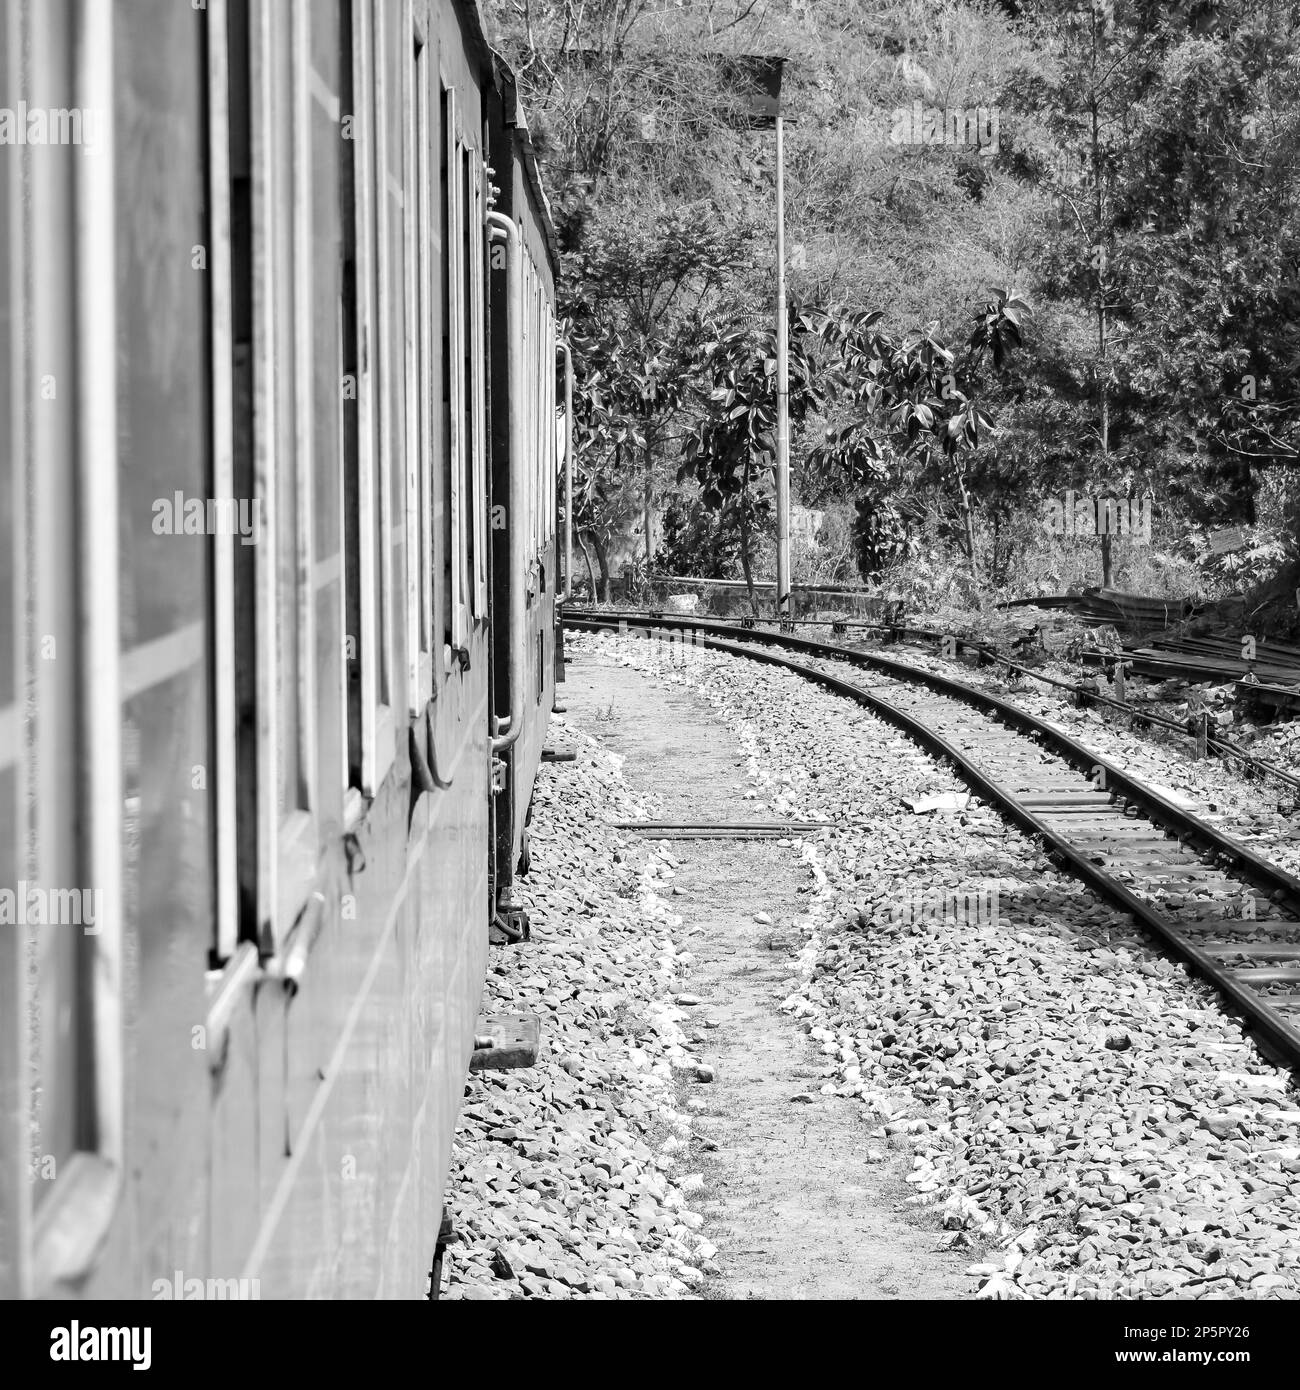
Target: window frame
378, 724
288, 836
15, 991
226, 926
419, 401
478, 361
458, 595
549, 457
74, 763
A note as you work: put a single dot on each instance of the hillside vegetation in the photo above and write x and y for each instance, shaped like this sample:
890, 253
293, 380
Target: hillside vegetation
1091, 289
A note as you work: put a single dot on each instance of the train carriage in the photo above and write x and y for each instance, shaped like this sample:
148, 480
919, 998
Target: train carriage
525, 633
252, 586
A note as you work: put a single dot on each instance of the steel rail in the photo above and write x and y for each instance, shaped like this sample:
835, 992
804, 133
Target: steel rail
1259, 766
1262, 767
1277, 1032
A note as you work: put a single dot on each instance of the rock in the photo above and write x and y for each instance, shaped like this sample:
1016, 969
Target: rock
704, 1072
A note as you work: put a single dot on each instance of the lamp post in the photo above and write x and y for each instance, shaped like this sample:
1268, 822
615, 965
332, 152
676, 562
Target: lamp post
762, 75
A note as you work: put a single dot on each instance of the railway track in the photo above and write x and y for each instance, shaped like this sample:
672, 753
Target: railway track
1232, 916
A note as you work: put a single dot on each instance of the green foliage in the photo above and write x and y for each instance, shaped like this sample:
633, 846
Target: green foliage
915, 417
730, 454
1145, 193
1178, 215
701, 541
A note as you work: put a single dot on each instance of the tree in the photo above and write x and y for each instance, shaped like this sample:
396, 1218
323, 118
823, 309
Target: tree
636, 305
914, 410
1174, 130
731, 453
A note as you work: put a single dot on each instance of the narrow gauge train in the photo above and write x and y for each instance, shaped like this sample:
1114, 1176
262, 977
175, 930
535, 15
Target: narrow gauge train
278, 448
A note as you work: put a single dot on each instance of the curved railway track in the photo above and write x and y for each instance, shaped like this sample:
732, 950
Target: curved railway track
1232, 916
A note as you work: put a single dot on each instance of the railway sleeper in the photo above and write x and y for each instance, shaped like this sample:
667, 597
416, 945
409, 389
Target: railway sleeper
1255, 950
1207, 911
1267, 976
1240, 926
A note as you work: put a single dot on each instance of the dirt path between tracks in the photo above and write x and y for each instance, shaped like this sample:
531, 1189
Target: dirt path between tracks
794, 1205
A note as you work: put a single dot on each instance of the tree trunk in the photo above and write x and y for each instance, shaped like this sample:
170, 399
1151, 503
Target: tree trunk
968, 516
744, 542
591, 571
602, 559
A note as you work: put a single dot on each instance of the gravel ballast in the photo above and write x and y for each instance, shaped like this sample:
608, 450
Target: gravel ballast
568, 1179
1082, 1116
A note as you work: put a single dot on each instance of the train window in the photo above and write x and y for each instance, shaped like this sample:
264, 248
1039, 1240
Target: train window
539, 416
530, 338
283, 446
419, 433
17, 1141
317, 266
539, 410
463, 462
279, 372
275, 367
557, 451
350, 407
446, 222
60, 753
455, 451
370, 721
535, 376
530, 402
552, 451
547, 373
476, 521
223, 236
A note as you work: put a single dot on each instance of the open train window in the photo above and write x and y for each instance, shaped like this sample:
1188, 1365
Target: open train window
61, 949
546, 370
455, 451
371, 732
538, 372
552, 429
537, 438
476, 394
282, 454
419, 433
16, 947
281, 712
530, 338
528, 463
